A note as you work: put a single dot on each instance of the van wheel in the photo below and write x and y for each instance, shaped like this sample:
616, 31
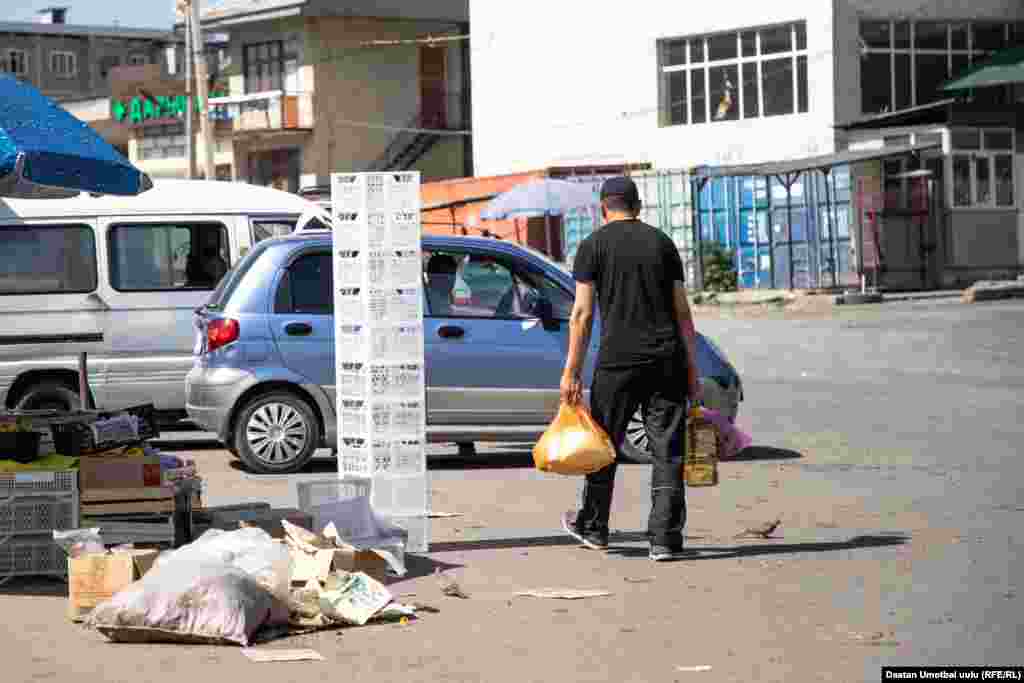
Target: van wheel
49, 396
276, 433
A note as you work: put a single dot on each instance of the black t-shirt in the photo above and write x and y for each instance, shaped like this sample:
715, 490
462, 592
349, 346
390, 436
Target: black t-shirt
633, 267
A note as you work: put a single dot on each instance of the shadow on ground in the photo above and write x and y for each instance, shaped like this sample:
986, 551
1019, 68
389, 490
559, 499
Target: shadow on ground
753, 453
35, 586
699, 552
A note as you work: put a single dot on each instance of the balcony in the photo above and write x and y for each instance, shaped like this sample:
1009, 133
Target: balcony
267, 111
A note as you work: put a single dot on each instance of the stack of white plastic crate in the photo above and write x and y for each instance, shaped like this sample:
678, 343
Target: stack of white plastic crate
32, 506
378, 317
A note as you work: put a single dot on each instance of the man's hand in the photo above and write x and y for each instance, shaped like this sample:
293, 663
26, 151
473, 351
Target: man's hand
695, 390
572, 388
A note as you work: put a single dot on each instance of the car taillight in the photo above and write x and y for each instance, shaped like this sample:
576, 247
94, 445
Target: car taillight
220, 332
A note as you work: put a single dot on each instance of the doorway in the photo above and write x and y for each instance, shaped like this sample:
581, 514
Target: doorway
433, 87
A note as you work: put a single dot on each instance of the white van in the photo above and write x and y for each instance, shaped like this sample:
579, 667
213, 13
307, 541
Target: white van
119, 278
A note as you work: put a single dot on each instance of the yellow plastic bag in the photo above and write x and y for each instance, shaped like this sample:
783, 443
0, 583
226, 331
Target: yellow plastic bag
573, 444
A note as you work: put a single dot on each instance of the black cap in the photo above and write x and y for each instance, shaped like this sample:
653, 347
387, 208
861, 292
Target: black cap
623, 187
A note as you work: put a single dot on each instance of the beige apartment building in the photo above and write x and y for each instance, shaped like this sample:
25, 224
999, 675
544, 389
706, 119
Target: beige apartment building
301, 89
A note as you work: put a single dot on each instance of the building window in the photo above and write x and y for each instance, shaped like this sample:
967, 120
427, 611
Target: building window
744, 74
264, 64
983, 168
162, 142
64, 64
14, 62
136, 60
905, 64
107, 63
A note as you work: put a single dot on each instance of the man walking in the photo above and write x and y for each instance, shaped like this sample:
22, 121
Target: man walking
646, 360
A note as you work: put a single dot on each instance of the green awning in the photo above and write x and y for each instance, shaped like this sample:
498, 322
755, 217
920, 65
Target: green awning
1006, 66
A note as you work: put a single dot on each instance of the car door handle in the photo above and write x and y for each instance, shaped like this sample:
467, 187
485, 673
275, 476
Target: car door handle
298, 329
450, 332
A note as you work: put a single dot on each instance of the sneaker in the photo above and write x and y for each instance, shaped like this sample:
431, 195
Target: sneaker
663, 553
592, 541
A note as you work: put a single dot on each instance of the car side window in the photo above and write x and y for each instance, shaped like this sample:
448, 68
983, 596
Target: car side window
533, 286
461, 285
307, 286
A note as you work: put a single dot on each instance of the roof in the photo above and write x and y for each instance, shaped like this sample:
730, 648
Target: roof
167, 196
240, 11
922, 114
85, 30
1005, 67
811, 163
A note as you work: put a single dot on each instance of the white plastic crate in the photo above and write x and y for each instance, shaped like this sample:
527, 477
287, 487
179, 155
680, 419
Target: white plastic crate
363, 380
397, 494
406, 380
314, 493
38, 514
361, 418
363, 305
38, 556
406, 343
356, 457
356, 268
408, 457
377, 191
403, 190
407, 417
405, 305
405, 269
418, 529
404, 229
360, 343
38, 483
348, 191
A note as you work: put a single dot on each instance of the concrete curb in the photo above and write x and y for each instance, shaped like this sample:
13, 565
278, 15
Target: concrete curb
993, 291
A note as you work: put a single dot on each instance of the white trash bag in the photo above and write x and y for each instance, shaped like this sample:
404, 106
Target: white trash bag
222, 588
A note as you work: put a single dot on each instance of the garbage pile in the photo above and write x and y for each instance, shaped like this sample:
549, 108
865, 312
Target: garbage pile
230, 587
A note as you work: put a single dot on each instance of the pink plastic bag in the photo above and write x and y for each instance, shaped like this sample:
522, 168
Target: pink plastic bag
734, 439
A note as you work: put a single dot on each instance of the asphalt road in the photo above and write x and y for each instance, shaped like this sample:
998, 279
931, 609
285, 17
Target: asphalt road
886, 439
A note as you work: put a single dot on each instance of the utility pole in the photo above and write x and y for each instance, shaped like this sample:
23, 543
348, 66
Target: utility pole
202, 83
190, 152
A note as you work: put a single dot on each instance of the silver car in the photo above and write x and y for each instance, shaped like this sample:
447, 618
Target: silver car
264, 371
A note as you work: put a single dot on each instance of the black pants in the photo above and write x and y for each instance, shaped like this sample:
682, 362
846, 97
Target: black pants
659, 389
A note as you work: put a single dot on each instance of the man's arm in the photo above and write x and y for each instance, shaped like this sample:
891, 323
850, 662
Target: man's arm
581, 323
684, 319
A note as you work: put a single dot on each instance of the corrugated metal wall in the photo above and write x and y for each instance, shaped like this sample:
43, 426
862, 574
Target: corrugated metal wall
777, 244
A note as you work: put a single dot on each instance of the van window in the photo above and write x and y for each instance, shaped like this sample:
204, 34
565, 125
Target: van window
158, 257
307, 286
47, 259
266, 229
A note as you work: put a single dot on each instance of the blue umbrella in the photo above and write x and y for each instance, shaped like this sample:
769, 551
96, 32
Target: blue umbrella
47, 152
542, 197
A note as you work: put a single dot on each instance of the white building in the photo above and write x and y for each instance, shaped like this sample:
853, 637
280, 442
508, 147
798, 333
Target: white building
736, 82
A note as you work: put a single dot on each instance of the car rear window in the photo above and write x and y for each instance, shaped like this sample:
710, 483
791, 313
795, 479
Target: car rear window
230, 281
47, 259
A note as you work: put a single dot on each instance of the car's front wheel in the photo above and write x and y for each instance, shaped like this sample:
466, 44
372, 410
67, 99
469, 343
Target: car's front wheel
276, 433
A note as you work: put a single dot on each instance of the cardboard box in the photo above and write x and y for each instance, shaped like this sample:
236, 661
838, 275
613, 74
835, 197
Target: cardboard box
306, 566
93, 579
268, 520
123, 472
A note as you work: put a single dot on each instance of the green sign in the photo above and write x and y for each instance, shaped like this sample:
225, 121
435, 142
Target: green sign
141, 109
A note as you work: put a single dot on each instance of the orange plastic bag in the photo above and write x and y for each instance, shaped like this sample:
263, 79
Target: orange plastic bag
573, 444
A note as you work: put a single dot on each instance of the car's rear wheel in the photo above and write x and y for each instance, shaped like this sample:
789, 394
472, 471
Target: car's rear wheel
276, 433
637, 447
